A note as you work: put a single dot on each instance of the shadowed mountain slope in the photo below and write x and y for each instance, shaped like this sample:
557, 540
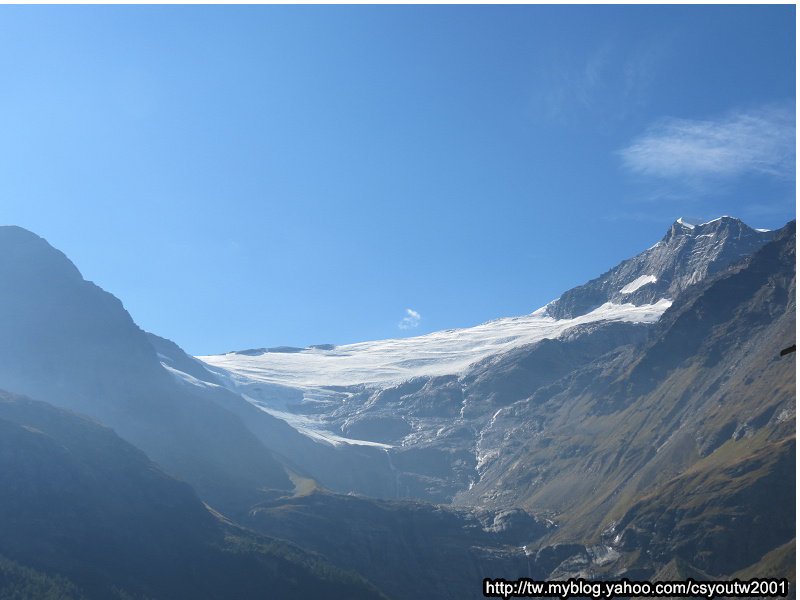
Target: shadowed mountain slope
79, 504
66, 341
409, 549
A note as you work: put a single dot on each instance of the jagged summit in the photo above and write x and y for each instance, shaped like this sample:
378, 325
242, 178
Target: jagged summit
724, 223
690, 225
685, 255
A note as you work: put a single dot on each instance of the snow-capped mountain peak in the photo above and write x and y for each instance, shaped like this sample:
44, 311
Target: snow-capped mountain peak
685, 255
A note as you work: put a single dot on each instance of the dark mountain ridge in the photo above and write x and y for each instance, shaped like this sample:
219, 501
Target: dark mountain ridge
67, 341
80, 503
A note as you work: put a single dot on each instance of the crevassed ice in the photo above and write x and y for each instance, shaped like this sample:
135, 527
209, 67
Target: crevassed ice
438, 353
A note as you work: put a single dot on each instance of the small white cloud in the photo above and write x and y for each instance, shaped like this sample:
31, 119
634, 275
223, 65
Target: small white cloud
411, 320
757, 141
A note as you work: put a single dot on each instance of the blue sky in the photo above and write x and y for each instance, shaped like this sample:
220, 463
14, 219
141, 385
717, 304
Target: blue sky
257, 176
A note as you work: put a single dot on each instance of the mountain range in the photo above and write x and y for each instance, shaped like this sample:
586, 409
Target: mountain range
639, 425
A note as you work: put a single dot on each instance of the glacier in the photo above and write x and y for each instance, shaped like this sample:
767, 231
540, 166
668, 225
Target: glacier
391, 361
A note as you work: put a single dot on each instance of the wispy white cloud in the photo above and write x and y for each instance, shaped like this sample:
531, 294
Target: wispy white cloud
411, 320
756, 141
601, 87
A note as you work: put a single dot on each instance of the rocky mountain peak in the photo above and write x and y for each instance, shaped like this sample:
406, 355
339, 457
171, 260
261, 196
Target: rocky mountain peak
724, 225
687, 254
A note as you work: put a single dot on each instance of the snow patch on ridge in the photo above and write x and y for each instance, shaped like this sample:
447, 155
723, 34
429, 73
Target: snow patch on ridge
715, 220
637, 283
